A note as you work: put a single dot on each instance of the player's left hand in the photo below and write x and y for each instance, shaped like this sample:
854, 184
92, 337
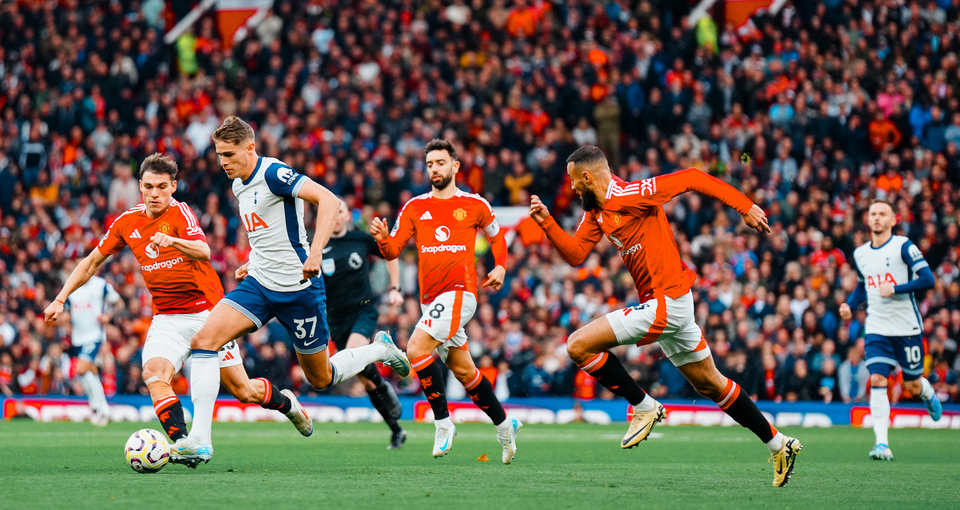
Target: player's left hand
161, 240
395, 297
495, 278
756, 219
311, 267
103, 318
886, 289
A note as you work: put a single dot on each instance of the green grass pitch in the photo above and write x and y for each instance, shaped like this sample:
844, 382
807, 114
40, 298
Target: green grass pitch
344, 466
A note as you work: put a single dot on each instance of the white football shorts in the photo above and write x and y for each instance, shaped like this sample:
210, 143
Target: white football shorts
444, 319
169, 338
670, 322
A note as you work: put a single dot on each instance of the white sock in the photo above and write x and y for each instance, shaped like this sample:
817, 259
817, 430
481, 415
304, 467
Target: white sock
204, 387
94, 390
349, 362
645, 405
504, 426
776, 443
444, 423
880, 411
926, 390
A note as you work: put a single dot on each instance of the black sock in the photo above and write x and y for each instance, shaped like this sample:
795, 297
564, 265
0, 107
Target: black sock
170, 413
481, 393
738, 405
274, 399
371, 373
385, 401
431, 380
608, 371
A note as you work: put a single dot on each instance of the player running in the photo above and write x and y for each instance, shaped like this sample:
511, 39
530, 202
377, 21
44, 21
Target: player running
90, 308
171, 248
352, 312
890, 269
445, 223
632, 217
280, 280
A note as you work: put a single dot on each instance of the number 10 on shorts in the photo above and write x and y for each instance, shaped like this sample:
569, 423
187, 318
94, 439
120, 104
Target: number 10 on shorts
301, 331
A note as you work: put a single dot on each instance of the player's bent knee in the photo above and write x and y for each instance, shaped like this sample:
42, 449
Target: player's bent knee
578, 348
878, 380
319, 382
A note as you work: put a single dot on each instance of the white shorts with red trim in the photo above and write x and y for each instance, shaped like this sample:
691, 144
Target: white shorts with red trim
444, 318
169, 338
670, 322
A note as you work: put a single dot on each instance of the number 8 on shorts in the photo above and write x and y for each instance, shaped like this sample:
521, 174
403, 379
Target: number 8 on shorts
444, 317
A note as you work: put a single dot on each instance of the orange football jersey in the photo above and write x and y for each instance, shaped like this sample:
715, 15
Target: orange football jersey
632, 217
177, 283
445, 232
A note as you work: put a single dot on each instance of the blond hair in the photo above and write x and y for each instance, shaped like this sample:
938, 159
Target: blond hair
233, 130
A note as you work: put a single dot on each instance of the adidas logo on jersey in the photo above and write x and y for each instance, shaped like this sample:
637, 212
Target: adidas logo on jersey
426, 216
135, 234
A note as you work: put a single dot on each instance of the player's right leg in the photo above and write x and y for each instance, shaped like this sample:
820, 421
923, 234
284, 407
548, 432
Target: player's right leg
420, 348
880, 359
588, 347
225, 323
92, 386
164, 352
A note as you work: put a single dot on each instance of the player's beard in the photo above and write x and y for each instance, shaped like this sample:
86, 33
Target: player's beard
444, 182
588, 200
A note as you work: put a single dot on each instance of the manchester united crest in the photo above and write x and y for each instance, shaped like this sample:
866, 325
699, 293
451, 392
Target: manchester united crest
460, 214
164, 228
616, 218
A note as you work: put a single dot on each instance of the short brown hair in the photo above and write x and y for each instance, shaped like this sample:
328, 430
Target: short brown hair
233, 130
440, 145
159, 164
883, 201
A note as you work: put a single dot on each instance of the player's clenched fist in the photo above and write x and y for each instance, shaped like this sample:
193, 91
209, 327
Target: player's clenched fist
845, 313
161, 240
241, 272
311, 267
538, 211
378, 229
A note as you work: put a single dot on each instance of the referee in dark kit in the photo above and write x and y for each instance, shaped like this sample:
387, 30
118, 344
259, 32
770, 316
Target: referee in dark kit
352, 312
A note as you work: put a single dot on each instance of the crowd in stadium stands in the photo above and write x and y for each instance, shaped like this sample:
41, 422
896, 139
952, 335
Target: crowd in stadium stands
835, 102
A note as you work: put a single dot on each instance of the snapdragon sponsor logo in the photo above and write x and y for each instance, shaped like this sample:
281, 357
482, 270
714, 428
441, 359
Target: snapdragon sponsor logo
166, 264
452, 248
631, 250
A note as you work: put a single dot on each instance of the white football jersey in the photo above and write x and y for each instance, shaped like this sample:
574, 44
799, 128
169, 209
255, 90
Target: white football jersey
896, 262
272, 216
86, 305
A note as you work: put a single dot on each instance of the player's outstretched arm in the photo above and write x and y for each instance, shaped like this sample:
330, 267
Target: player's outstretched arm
328, 205
194, 249
80, 275
573, 249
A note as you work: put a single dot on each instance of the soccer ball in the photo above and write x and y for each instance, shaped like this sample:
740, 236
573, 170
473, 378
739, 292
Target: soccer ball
147, 451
